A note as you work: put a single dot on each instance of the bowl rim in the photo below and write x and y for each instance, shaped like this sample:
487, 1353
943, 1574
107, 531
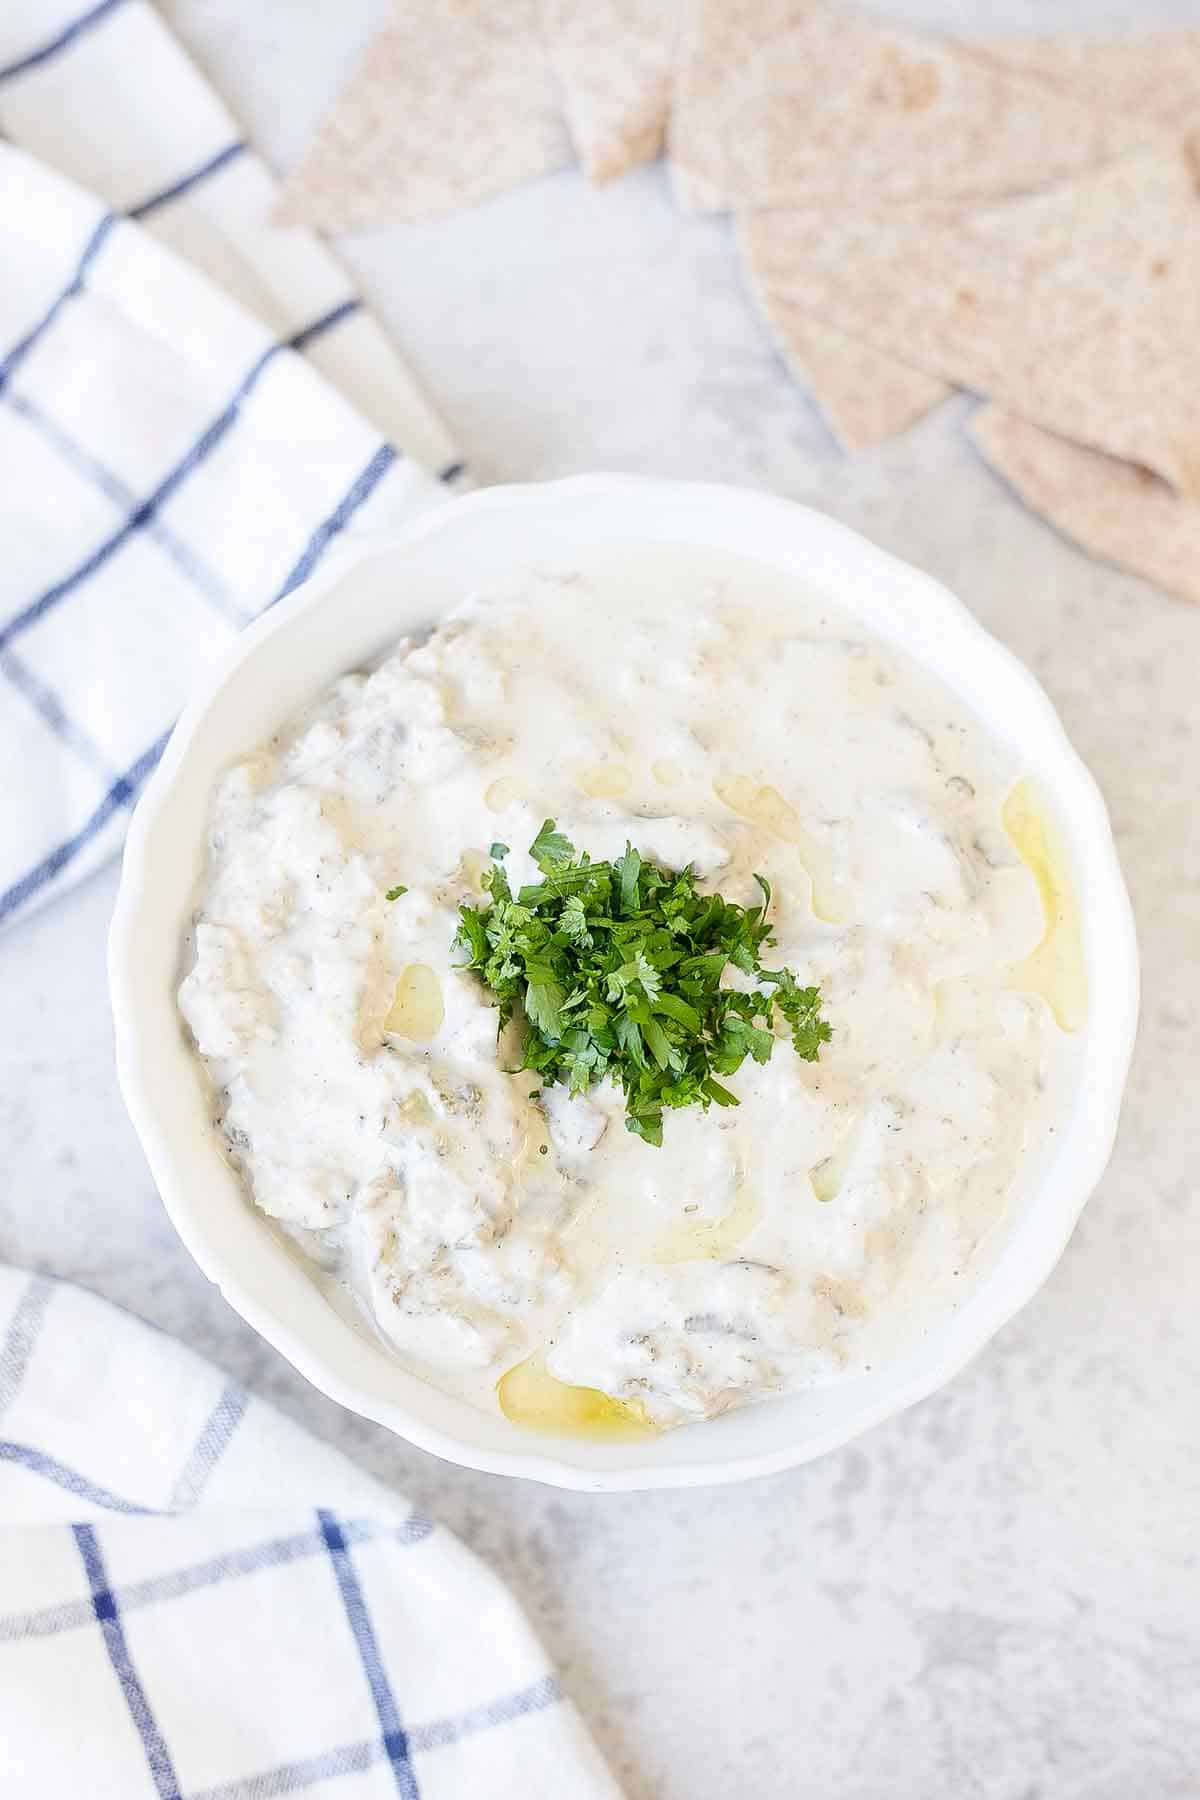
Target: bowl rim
168, 1165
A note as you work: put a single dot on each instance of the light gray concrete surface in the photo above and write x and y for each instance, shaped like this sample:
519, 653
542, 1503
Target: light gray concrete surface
997, 1595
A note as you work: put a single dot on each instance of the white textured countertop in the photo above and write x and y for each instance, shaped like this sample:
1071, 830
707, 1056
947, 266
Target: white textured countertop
997, 1595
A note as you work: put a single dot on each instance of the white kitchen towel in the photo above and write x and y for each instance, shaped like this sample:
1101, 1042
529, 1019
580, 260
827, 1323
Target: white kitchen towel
200, 1602
108, 96
169, 466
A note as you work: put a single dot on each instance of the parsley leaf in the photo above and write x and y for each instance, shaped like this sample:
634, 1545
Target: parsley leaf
627, 868
395, 893
543, 1005
550, 849
573, 921
615, 970
801, 1007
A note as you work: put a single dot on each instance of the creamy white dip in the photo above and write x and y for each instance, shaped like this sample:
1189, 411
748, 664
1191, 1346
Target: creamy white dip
714, 714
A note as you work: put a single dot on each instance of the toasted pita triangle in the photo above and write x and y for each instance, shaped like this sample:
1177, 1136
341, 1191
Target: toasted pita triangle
452, 103
865, 396
1078, 308
1154, 77
614, 59
1112, 509
786, 104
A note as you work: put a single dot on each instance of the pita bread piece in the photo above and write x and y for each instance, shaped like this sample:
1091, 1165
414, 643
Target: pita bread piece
1112, 509
1155, 77
452, 103
779, 103
614, 60
1078, 308
865, 396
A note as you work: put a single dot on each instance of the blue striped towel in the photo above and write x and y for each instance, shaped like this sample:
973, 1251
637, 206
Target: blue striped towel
193, 405
199, 1602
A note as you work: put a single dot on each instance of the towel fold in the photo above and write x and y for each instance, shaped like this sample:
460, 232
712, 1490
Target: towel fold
109, 97
174, 452
199, 1601
171, 468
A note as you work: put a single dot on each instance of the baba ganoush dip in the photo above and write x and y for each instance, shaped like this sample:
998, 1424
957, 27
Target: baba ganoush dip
522, 1248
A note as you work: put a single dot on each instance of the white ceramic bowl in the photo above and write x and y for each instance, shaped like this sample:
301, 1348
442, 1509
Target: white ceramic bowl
349, 611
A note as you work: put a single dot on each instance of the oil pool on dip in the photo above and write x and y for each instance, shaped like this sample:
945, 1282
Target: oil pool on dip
520, 1248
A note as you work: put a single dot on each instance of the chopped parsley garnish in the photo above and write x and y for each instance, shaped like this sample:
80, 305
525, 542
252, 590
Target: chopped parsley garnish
395, 893
615, 969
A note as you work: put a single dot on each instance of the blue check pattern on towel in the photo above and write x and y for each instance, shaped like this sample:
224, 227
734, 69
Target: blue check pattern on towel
174, 454
199, 1602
